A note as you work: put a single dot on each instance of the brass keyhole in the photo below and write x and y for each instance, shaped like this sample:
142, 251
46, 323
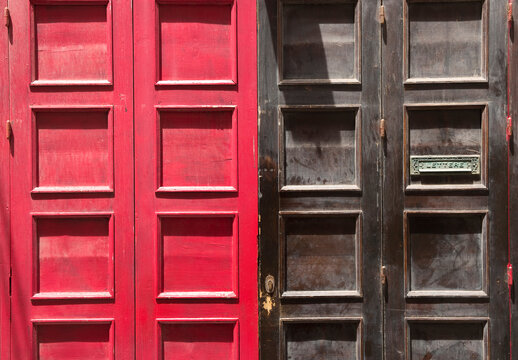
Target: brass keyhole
269, 284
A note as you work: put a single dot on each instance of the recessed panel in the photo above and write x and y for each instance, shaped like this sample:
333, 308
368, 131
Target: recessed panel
73, 256
447, 340
321, 254
320, 149
73, 151
446, 41
72, 44
448, 137
199, 340
322, 340
198, 256
197, 151
446, 252
196, 44
65, 341
319, 42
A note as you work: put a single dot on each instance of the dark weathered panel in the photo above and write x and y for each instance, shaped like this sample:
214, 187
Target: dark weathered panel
447, 131
320, 148
321, 340
321, 254
447, 340
446, 254
446, 40
319, 42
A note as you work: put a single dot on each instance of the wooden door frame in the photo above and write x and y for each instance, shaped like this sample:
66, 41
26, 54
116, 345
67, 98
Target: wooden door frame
513, 176
5, 195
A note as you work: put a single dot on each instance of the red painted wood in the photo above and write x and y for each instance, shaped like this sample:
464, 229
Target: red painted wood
72, 215
5, 251
196, 179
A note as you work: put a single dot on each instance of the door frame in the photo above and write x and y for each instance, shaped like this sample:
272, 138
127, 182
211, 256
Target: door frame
5, 195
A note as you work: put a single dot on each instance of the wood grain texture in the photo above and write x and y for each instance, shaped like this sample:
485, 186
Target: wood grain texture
79, 59
455, 84
319, 87
5, 197
513, 193
196, 179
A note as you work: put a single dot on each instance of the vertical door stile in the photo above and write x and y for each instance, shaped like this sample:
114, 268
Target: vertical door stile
513, 198
5, 221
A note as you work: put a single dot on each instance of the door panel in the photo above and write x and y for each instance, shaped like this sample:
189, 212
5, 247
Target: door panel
71, 156
444, 228
196, 180
319, 180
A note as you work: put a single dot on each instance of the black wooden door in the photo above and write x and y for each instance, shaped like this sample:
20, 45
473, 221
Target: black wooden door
320, 244
445, 189
343, 207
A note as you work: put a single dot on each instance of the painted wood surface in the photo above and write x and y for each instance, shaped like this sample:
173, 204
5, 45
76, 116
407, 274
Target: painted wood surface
71, 155
152, 212
319, 201
196, 179
435, 71
5, 218
444, 238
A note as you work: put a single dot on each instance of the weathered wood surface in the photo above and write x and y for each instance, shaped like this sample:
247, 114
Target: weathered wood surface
439, 85
319, 182
445, 64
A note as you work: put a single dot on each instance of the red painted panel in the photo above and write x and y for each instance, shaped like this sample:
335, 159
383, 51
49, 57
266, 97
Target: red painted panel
72, 233
198, 149
73, 340
195, 73
211, 339
197, 43
73, 150
72, 43
73, 257
198, 255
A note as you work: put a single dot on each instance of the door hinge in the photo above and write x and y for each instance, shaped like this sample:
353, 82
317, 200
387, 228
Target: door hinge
383, 131
381, 15
8, 129
7, 17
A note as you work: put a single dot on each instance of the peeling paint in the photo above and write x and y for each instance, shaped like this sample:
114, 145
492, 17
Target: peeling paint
268, 304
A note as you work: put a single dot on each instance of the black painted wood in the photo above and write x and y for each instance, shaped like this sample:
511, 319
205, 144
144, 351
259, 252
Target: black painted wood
320, 192
426, 217
417, 71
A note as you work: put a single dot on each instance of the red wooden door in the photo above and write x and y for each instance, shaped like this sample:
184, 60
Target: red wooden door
86, 172
196, 179
72, 170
